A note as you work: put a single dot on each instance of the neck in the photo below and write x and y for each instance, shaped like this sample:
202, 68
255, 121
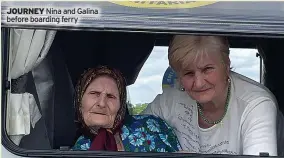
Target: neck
218, 103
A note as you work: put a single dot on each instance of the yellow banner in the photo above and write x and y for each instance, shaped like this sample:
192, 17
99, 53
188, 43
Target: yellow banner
164, 4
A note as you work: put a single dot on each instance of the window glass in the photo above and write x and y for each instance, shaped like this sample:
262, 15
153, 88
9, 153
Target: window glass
245, 62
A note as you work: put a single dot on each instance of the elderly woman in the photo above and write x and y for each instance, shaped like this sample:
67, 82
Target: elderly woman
104, 123
216, 111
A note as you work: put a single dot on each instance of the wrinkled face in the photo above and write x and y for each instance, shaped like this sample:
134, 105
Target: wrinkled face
100, 102
205, 78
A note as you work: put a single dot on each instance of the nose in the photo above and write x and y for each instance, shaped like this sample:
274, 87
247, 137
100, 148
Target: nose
102, 101
199, 81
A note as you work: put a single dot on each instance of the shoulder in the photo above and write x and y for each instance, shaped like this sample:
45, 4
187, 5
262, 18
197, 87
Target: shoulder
248, 90
171, 92
170, 96
252, 97
169, 104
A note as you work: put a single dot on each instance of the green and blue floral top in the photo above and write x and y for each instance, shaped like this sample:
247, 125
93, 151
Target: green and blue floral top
142, 133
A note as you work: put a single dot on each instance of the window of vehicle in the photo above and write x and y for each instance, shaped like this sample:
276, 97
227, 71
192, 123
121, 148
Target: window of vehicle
42, 62
53, 90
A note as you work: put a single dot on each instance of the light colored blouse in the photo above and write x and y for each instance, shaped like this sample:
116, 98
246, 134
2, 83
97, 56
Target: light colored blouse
248, 128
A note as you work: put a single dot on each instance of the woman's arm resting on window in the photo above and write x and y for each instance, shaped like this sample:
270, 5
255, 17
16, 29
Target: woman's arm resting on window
259, 129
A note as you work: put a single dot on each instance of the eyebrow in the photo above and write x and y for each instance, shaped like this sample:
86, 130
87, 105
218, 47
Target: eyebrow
186, 70
92, 90
205, 66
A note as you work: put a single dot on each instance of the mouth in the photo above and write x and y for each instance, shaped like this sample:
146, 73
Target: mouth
200, 91
98, 113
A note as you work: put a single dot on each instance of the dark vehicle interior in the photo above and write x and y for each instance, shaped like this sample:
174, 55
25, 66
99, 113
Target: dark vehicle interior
74, 51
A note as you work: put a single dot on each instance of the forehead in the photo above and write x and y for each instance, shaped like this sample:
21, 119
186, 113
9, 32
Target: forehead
103, 83
201, 59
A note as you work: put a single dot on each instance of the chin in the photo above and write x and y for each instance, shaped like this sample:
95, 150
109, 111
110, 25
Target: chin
99, 124
202, 99
101, 121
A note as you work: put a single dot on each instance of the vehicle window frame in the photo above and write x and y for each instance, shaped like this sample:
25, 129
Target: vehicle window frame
66, 152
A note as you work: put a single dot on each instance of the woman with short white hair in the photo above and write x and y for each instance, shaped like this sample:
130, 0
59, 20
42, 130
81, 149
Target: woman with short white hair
217, 111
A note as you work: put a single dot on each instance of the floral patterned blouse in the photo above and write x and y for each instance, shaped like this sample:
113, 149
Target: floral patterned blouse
142, 133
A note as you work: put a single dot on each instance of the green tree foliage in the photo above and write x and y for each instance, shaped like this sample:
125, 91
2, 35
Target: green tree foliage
137, 109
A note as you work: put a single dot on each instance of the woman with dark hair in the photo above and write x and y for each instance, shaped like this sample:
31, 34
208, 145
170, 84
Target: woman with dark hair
100, 104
